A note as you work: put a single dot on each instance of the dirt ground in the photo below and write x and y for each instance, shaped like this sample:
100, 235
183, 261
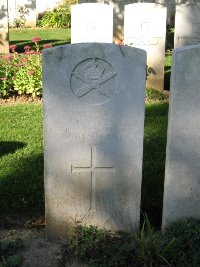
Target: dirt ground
38, 251
24, 99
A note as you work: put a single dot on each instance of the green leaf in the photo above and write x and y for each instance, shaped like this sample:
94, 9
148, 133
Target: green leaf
19, 243
13, 261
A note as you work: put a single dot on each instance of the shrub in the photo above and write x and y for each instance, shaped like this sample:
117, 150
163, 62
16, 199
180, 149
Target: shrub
8, 256
185, 250
22, 73
150, 250
28, 78
153, 95
60, 17
8, 65
20, 20
97, 247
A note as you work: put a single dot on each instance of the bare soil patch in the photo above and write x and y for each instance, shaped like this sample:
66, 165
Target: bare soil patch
38, 250
24, 99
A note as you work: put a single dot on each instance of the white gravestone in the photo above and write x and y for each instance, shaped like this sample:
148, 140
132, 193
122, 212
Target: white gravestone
187, 25
182, 174
118, 15
4, 42
145, 28
93, 136
91, 23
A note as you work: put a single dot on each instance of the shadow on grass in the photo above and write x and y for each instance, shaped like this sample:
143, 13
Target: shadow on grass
7, 147
22, 186
167, 77
22, 189
154, 161
20, 44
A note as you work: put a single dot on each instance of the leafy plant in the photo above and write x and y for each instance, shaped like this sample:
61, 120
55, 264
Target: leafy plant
185, 250
149, 250
7, 70
97, 247
8, 256
153, 95
22, 72
21, 164
60, 17
28, 79
21, 19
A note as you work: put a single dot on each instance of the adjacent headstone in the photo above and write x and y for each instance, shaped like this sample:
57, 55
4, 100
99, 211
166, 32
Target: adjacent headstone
118, 15
182, 175
93, 136
187, 25
91, 23
4, 43
145, 28
118, 12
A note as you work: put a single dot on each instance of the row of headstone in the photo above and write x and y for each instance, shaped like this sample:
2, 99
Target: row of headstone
144, 27
35, 9
118, 8
93, 136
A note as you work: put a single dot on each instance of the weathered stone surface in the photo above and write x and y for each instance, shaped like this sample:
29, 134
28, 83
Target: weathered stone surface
182, 176
145, 28
91, 23
93, 136
4, 43
187, 25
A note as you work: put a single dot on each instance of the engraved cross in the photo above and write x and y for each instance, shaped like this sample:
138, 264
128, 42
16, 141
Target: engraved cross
93, 169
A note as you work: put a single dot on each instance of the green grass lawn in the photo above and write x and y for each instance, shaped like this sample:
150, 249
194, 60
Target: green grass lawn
155, 137
22, 37
21, 159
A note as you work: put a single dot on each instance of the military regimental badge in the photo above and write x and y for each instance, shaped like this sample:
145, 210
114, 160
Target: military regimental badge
94, 80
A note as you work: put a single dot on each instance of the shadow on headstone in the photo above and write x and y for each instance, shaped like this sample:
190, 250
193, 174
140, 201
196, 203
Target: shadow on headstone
4, 28
3, 11
31, 4
167, 77
154, 162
